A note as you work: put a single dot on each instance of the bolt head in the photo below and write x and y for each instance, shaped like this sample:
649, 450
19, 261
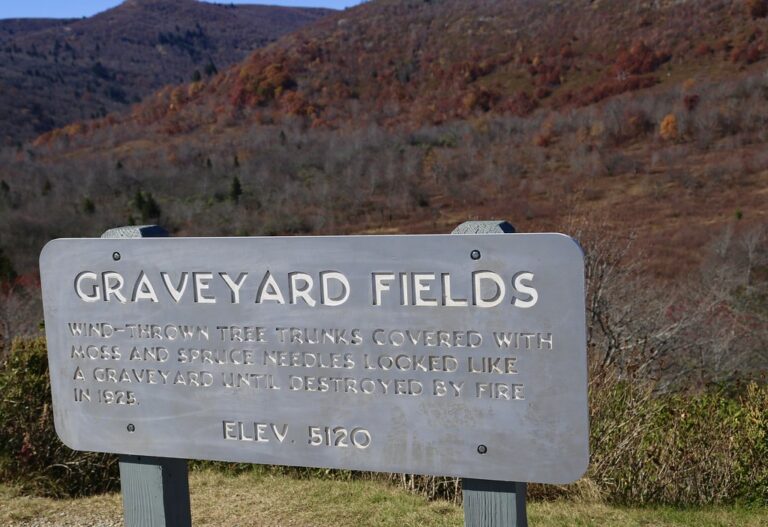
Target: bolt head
482, 449
475, 254
131, 427
115, 256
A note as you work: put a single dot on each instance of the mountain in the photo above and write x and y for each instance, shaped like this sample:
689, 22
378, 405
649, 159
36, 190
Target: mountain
53, 72
647, 119
420, 62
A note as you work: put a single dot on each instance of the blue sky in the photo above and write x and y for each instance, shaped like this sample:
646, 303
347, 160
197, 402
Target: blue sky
80, 8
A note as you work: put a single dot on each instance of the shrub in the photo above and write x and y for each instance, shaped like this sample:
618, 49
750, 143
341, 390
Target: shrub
753, 54
691, 101
480, 99
703, 50
89, 207
668, 127
639, 60
542, 92
679, 449
31, 454
757, 8
521, 104
682, 449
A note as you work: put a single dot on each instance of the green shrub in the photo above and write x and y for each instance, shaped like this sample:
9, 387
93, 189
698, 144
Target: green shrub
647, 448
679, 449
31, 454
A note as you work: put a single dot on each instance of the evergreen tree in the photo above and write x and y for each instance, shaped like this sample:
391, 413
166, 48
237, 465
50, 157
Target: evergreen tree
138, 200
89, 207
236, 190
146, 205
7, 272
150, 209
211, 69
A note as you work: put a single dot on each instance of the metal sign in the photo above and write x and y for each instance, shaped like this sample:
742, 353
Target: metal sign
452, 355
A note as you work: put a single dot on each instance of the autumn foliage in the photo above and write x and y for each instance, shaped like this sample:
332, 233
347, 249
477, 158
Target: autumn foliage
757, 8
441, 62
640, 59
258, 84
668, 127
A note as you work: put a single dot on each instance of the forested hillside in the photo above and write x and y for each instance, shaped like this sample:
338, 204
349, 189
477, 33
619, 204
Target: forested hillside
413, 62
641, 127
54, 72
406, 114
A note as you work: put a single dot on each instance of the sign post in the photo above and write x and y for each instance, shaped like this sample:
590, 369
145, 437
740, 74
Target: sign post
155, 490
456, 355
492, 503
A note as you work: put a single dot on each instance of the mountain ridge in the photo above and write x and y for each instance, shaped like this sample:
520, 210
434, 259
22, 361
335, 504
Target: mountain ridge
58, 71
446, 61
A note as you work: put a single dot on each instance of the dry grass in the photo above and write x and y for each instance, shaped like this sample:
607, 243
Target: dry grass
255, 499
251, 499
570, 514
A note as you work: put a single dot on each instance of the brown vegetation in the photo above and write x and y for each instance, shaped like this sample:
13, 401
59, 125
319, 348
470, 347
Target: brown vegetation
443, 61
402, 116
677, 191
355, 126
757, 8
668, 127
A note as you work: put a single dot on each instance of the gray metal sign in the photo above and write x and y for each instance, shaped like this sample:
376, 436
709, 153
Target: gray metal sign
458, 355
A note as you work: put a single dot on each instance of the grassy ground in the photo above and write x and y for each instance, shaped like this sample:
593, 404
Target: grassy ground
255, 500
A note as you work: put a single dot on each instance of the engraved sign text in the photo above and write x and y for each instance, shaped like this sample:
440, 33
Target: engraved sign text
386, 353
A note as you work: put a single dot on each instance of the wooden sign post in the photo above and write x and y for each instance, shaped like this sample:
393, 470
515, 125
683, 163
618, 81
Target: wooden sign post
492, 503
155, 490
